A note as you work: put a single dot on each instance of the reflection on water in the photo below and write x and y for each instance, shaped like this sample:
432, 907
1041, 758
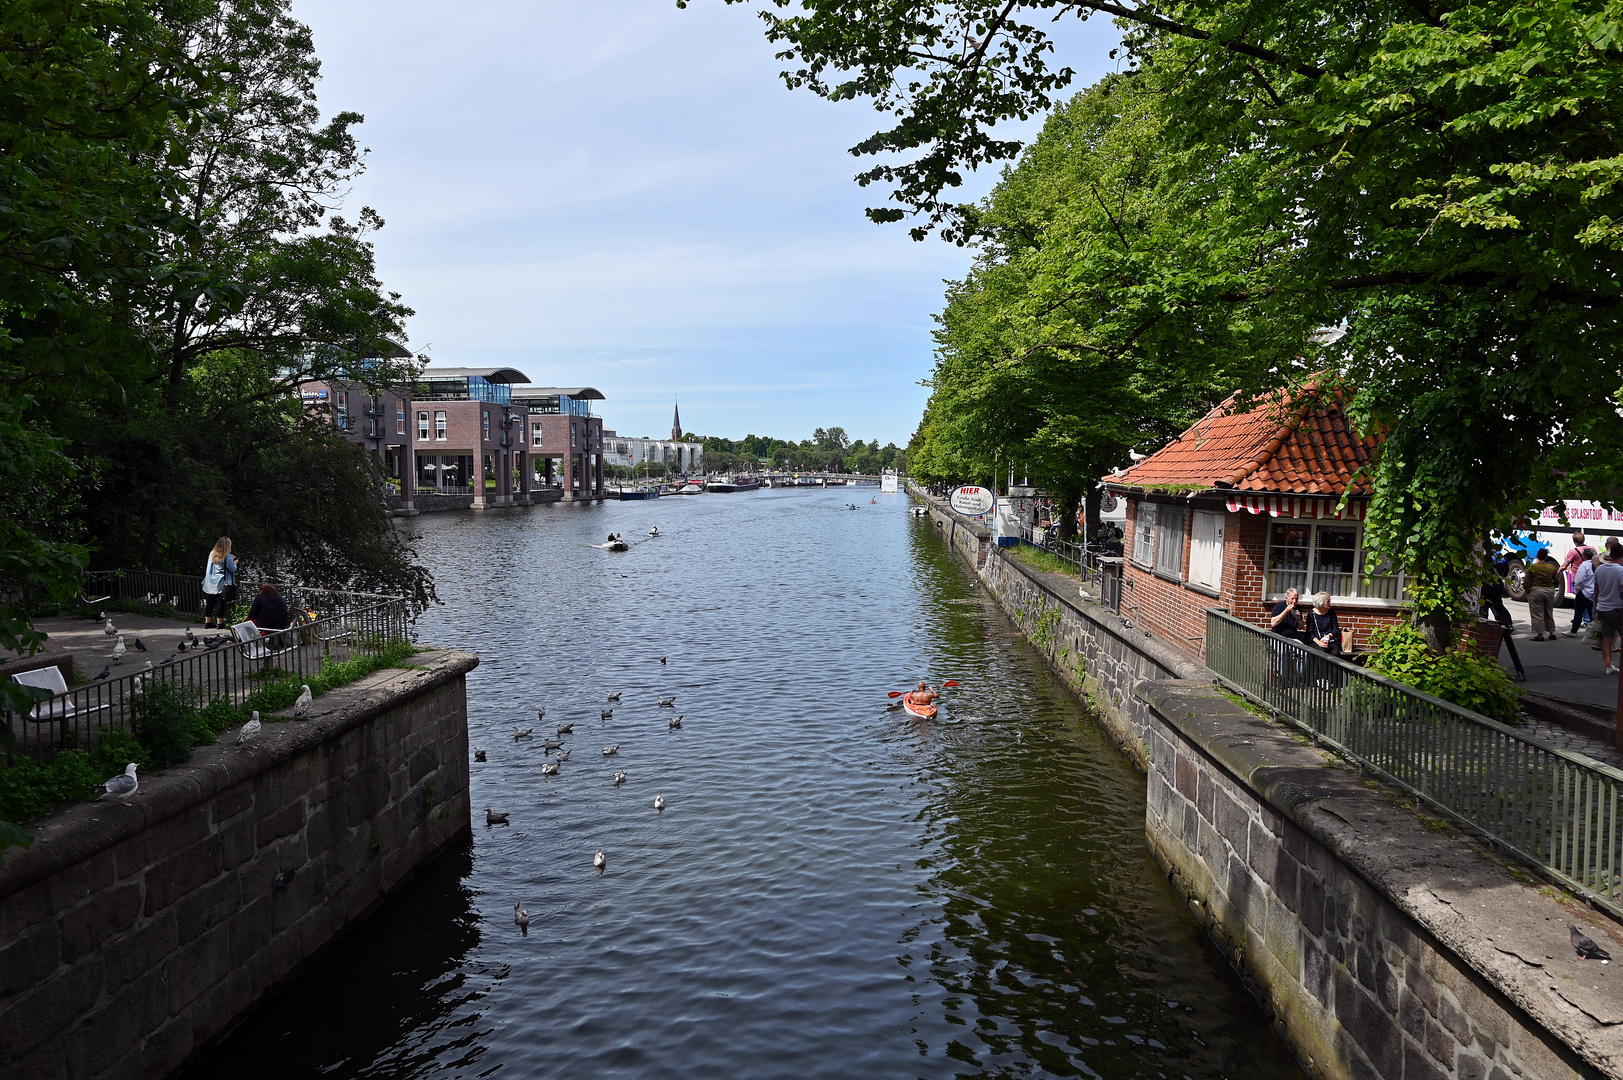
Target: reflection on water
833, 890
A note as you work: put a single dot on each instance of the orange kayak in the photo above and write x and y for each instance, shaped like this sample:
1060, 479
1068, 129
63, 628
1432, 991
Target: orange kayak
923, 712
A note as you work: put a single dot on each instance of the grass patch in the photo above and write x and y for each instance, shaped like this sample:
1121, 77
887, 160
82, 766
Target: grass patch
1046, 561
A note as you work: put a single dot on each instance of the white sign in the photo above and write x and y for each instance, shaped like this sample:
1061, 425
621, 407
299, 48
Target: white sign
972, 501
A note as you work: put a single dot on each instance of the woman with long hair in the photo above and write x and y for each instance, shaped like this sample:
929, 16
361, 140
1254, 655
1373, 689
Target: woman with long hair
219, 584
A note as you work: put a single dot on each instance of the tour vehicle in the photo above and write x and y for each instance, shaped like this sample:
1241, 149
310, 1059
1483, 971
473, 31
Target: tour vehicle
1597, 521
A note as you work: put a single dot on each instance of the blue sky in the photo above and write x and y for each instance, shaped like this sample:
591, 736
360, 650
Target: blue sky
620, 194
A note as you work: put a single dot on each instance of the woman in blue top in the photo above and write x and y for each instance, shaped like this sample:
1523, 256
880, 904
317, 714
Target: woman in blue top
219, 584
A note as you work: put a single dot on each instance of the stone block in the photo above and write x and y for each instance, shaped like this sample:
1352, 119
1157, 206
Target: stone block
1232, 822
87, 927
1412, 1016
1186, 778
45, 1062
237, 841
1454, 1020
207, 906
1205, 795
103, 1035
77, 883
29, 958
50, 1007
250, 930
1439, 1044
423, 762
369, 791
231, 802
198, 965
180, 873
24, 909
1370, 1028
1387, 987
324, 828
1263, 853
162, 1052
1470, 1067
1419, 984
143, 949
1318, 972
1296, 841
215, 1011
1417, 1067
1310, 905
291, 902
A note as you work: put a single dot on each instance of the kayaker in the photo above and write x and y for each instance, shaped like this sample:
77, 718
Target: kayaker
922, 696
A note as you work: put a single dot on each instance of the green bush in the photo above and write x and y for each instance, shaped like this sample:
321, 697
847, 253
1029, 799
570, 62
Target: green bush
165, 719
1459, 676
116, 748
28, 790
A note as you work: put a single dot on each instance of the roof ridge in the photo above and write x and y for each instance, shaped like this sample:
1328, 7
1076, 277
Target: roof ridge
1271, 447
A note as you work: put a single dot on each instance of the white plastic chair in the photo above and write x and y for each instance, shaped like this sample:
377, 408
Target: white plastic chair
49, 678
253, 647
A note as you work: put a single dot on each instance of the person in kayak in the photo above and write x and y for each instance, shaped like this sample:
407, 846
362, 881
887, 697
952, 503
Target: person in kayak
922, 696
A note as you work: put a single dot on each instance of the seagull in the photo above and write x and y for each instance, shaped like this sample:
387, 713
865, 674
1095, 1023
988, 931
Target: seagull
615, 696
301, 707
540, 714
123, 785
659, 801
598, 860
563, 755
676, 722
1582, 944
665, 702
549, 769
565, 729
106, 671
110, 630
102, 615
610, 751
619, 778
119, 650
608, 714
250, 729
522, 919
493, 818
661, 659
191, 638
521, 733
654, 531
478, 755
140, 645
549, 745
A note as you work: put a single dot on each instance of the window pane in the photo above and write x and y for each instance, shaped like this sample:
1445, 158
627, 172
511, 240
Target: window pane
1206, 550
1334, 559
1287, 556
1169, 540
1144, 534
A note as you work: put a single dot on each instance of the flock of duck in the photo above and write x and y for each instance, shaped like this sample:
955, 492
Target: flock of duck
555, 755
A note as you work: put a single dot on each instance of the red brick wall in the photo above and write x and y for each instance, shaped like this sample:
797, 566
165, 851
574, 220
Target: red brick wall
1176, 613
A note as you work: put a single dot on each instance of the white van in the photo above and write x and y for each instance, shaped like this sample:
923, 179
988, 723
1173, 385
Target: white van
1597, 521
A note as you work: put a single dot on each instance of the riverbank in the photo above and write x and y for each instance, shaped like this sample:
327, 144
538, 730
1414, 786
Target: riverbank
138, 930
1382, 942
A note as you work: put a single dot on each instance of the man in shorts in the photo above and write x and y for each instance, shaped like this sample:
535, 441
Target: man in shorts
1609, 602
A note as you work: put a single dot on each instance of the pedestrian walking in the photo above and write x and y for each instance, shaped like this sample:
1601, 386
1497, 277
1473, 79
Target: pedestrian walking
1581, 553
1583, 592
219, 584
1542, 578
1609, 602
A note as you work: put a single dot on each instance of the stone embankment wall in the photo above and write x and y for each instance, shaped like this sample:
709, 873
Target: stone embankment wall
1383, 944
134, 932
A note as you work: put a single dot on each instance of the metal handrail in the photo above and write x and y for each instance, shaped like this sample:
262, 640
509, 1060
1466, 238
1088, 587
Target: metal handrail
183, 593
1558, 810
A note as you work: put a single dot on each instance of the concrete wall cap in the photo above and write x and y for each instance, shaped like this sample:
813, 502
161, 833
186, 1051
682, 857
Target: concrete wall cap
79, 830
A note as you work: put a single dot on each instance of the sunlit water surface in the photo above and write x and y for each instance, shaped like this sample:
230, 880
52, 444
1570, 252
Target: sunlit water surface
832, 890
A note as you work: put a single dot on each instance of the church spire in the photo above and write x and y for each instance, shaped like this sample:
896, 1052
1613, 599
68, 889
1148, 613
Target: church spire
676, 424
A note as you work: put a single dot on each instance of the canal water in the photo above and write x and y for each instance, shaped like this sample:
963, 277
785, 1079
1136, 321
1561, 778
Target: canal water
832, 890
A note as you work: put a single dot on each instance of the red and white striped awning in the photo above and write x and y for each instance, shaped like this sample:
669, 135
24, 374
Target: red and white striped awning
1297, 506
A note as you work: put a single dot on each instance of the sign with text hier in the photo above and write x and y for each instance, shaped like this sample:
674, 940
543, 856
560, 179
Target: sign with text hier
972, 501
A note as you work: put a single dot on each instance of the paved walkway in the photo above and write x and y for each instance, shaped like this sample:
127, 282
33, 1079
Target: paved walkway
92, 648
1566, 668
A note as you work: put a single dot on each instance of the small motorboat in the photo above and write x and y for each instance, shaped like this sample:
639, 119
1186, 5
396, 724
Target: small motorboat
615, 542
923, 712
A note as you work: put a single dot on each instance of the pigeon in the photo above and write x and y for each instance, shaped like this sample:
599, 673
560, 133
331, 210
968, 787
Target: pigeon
213, 643
549, 745
522, 919
284, 879
1584, 946
676, 722
610, 751
191, 638
667, 702
140, 645
478, 755
659, 801
119, 650
615, 696
250, 729
608, 714
522, 733
565, 729
619, 778
106, 671
598, 860
301, 707
109, 629
170, 659
661, 659
181, 647
549, 769
563, 755
493, 818
540, 714
123, 785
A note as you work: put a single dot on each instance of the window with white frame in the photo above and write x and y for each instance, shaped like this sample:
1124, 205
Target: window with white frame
1314, 557
1144, 534
1206, 550
1169, 541
422, 427
439, 425
535, 434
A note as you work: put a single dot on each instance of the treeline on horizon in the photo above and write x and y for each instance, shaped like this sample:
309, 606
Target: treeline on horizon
1437, 182
828, 450
175, 262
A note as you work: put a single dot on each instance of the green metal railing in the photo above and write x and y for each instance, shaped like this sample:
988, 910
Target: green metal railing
1556, 809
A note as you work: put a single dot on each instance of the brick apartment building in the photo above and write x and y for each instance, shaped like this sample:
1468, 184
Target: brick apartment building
1245, 505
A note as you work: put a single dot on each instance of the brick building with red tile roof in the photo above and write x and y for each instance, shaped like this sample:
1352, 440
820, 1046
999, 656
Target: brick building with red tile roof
1246, 504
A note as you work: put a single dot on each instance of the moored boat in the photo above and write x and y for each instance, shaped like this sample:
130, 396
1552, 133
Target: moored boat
644, 493
722, 487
